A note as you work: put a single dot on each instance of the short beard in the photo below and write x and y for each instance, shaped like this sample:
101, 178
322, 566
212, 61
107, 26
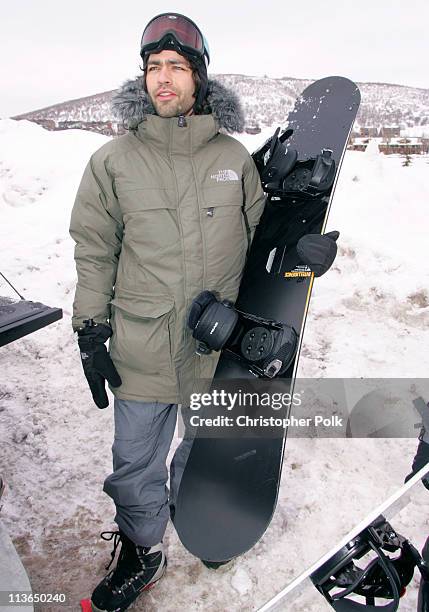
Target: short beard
174, 111
166, 111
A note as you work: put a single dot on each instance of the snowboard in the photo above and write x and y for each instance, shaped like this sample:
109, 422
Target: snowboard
229, 488
342, 566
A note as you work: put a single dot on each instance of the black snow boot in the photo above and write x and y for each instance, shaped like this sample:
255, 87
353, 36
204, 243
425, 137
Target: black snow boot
138, 568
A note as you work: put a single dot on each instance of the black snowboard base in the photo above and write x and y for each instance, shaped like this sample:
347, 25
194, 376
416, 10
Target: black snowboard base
229, 488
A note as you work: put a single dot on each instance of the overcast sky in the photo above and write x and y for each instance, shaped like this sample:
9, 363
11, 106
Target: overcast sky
53, 51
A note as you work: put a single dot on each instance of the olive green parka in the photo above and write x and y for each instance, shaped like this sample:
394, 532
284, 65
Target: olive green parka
163, 212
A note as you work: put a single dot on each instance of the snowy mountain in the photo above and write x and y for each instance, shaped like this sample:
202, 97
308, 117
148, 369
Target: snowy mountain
267, 102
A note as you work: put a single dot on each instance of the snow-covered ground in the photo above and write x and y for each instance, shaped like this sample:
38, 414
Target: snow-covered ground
368, 318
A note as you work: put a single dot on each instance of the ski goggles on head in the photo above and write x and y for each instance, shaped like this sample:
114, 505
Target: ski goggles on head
186, 34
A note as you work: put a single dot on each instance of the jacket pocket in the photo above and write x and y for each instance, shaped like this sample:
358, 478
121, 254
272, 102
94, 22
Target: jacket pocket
225, 235
151, 236
143, 331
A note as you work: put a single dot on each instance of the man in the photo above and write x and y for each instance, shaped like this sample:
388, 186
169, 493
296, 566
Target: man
162, 213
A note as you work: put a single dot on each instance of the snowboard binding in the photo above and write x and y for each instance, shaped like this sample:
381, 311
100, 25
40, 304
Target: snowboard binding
274, 160
264, 346
283, 175
383, 577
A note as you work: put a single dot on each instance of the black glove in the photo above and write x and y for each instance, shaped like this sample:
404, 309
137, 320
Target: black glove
318, 251
96, 362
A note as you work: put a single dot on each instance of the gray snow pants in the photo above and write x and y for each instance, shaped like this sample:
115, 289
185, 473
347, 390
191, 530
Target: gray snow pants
138, 484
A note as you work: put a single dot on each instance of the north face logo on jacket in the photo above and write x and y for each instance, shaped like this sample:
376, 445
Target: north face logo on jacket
222, 176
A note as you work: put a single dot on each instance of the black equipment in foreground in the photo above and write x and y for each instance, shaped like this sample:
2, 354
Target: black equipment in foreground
385, 576
19, 318
370, 567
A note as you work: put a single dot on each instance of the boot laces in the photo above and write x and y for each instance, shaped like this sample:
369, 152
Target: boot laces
124, 573
117, 538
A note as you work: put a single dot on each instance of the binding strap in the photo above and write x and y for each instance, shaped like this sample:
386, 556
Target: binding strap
384, 577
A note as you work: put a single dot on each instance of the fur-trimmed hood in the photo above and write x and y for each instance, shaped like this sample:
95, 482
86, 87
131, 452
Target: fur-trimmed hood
131, 103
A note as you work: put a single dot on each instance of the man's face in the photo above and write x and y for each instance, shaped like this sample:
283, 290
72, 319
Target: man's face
170, 84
